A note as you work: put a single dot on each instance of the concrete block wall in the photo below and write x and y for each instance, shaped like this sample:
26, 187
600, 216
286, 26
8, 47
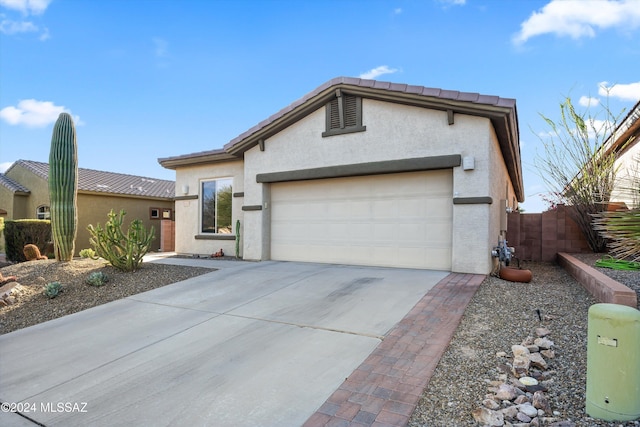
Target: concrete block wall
540, 236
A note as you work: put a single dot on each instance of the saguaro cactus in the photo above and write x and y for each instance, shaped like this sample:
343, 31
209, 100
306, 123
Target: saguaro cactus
63, 187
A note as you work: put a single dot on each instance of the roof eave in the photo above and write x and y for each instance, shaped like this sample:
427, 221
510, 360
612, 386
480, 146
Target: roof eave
502, 116
196, 159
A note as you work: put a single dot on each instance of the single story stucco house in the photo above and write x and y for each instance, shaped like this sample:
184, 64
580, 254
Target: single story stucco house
359, 172
24, 194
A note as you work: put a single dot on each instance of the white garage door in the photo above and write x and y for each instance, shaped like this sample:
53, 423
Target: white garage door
394, 220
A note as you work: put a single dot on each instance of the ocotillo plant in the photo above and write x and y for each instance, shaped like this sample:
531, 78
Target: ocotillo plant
63, 187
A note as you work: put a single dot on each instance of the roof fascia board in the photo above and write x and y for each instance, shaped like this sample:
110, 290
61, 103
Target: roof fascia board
197, 159
126, 196
308, 106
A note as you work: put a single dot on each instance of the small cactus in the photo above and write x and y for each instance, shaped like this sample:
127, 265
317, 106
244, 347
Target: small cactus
88, 253
53, 289
32, 252
97, 278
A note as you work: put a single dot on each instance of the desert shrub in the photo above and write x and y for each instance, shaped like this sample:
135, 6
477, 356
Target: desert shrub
88, 253
123, 250
97, 278
53, 289
21, 232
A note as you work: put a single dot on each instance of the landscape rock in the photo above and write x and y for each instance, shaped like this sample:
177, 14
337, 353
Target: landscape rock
542, 332
520, 366
506, 392
523, 417
533, 348
521, 399
488, 417
544, 343
541, 402
490, 404
549, 354
510, 412
519, 350
537, 360
528, 409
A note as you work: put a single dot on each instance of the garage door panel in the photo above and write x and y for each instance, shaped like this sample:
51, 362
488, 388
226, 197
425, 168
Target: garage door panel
401, 220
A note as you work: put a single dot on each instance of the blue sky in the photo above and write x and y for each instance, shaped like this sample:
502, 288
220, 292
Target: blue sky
146, 79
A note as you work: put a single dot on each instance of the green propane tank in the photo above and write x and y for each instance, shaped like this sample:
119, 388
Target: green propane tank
613, 363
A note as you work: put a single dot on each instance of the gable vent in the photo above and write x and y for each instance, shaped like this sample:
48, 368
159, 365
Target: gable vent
344, 115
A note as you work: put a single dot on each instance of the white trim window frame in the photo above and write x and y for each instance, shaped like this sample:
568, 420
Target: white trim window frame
215, 209
43, 212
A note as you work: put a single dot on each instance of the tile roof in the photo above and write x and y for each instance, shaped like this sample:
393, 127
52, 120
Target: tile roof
13, 186
501, 111
109, 182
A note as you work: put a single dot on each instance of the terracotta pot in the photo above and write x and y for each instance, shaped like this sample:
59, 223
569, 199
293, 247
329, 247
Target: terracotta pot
515, 274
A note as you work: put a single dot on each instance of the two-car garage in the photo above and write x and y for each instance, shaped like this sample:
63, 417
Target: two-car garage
393, 220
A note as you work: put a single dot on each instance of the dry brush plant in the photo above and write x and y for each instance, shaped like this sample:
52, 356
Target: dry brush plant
576, 166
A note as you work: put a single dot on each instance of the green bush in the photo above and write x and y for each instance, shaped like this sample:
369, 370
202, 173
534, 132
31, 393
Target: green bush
88, 253
53, 289
122, 250
21, 232
97, 278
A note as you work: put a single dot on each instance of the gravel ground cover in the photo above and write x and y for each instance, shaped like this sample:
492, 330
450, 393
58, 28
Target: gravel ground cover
500, 315
32, 306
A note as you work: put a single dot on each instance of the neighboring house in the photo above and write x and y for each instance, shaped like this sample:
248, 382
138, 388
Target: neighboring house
24, 193
359, 172
624, 142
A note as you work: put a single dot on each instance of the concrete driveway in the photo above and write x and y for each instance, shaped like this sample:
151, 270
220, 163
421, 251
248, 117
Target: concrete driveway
252, 344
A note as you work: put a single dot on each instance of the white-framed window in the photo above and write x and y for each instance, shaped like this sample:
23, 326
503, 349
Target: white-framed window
42, 212
215, 209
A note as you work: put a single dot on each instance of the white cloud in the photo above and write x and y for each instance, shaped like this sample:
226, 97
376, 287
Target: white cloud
397, 11
588, 101
579, 18
378, 71
625, 92
10, 27
4, 166
33, 113
33, 7
26, 7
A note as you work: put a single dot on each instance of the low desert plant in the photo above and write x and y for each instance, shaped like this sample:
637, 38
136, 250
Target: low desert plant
88, 253
122, 250
97, 278
53, 289
32, 252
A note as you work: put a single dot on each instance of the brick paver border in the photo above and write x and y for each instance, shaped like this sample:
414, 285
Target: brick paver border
385, 389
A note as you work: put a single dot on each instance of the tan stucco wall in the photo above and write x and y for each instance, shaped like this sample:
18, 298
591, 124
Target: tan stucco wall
188, 209
25, 207
94, 209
